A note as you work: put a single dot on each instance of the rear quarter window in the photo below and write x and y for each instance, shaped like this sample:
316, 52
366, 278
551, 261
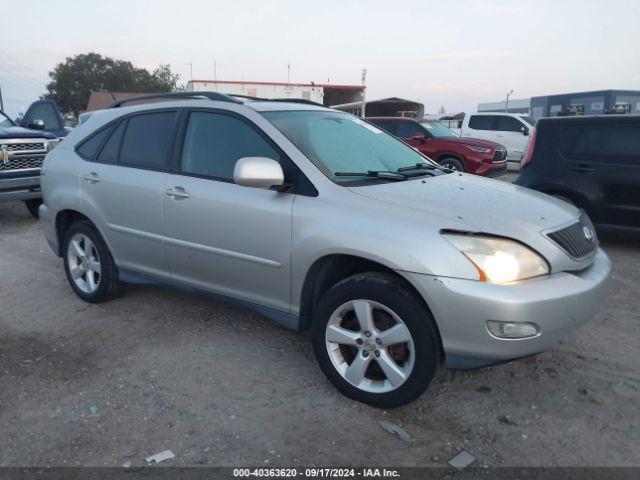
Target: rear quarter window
88, 149
605, 141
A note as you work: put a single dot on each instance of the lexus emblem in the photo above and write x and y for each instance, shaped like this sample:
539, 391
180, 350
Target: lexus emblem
4, 154
588, 233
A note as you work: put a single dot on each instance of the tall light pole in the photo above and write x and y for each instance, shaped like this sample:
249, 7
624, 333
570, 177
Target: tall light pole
190, 65
1, 101
364, 81
506, 105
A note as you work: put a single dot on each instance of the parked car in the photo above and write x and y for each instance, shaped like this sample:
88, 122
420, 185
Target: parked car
509, 129
21, 153
321, 221
437, 142
592, 162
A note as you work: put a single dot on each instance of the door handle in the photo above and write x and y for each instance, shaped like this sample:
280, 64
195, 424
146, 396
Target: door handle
177, 193
92, 177
582, 168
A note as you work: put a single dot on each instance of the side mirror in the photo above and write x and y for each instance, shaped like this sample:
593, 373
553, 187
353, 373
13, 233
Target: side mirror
258, 172
420, 136
36, 124
525, 131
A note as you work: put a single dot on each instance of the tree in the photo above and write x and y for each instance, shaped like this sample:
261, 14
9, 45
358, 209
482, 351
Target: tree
73, 80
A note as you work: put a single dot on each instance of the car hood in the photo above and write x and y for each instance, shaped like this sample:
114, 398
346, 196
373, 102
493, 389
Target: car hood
20, 132
472, 141
483, 206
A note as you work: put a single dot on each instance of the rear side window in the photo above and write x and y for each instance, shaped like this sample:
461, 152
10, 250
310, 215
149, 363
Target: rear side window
481, 122
88, 149
390, 127
109, 152
214, 142
146, 140
606, 141
408, 129
509, 124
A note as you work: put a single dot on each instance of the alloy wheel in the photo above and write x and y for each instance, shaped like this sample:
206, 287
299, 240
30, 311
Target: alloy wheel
370, 346
84, 263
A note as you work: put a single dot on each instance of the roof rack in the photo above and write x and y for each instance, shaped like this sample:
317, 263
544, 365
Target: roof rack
221, 97
295, 100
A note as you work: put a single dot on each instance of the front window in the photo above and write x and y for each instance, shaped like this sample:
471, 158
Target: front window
5, 121
337, 142
529, 120
438, 130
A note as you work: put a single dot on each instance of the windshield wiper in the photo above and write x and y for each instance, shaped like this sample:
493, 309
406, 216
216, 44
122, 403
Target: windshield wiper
423, 166
386, 174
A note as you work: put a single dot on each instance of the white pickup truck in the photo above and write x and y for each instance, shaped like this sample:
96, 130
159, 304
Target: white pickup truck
509, 129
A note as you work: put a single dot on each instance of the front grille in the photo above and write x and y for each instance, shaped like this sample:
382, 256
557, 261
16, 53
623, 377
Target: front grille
21, 163
22, 147
499, 156
578, 240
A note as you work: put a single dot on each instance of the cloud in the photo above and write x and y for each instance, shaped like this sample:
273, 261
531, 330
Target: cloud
473, 55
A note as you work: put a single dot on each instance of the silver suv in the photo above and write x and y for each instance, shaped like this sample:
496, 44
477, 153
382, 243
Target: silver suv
321, 221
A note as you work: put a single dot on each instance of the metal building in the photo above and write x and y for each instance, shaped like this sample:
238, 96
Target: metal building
324, 94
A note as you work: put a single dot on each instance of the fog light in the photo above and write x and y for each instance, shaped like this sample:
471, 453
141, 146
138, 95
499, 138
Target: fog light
512, 329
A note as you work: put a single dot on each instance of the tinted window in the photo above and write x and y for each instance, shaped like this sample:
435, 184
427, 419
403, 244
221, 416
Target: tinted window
408, 129
390, 127
481, 122
109, 153
602, 140
45, 112
214, 143
509, 124
89, 148
146, 140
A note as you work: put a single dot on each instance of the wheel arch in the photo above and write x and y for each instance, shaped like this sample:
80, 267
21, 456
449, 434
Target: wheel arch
457, 156
330, 269
67, 217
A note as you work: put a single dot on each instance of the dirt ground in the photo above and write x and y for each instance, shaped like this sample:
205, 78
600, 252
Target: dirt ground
157, 369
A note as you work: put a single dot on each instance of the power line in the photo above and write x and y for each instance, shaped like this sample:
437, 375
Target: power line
26, 67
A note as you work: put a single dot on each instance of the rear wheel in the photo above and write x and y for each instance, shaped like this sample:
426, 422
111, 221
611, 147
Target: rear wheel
89, 266
452, 164
375, 341
33, 205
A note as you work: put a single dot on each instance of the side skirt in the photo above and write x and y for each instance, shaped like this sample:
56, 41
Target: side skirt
287, 320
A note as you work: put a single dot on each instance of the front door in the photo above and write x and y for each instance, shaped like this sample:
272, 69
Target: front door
222, 237
603, 163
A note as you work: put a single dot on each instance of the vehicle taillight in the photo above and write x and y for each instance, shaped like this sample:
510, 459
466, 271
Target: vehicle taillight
529, 153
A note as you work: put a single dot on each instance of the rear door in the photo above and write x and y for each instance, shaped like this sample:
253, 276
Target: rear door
603, 163
223, 237
122, 189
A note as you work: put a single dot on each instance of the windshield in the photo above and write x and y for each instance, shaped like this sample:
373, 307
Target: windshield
339, 142
438, 130
4, 121
529, 120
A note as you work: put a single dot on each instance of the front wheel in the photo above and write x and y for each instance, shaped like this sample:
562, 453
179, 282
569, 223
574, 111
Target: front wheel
33, 205
375, 340
452, 164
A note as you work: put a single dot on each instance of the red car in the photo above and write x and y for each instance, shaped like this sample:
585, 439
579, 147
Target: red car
433, 139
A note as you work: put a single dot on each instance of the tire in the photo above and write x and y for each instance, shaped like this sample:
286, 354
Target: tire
89, 265
33, 205
452, 164
340, 343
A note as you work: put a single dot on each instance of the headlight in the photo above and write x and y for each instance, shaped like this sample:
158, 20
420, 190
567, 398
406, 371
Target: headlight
477, 148
499, 260
51, 144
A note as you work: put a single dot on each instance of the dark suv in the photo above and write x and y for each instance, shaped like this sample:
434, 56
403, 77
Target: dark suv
434, 140
592, 162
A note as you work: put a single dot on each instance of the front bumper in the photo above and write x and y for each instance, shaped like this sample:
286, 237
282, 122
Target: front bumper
556, 303
19, 188
491, 170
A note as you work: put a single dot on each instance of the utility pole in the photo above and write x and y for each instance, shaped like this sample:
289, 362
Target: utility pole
364, 89
288, 73
190, 65
215, 69
1, 101
506, 105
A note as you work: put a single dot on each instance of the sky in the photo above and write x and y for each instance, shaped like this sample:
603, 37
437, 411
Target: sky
453, 53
